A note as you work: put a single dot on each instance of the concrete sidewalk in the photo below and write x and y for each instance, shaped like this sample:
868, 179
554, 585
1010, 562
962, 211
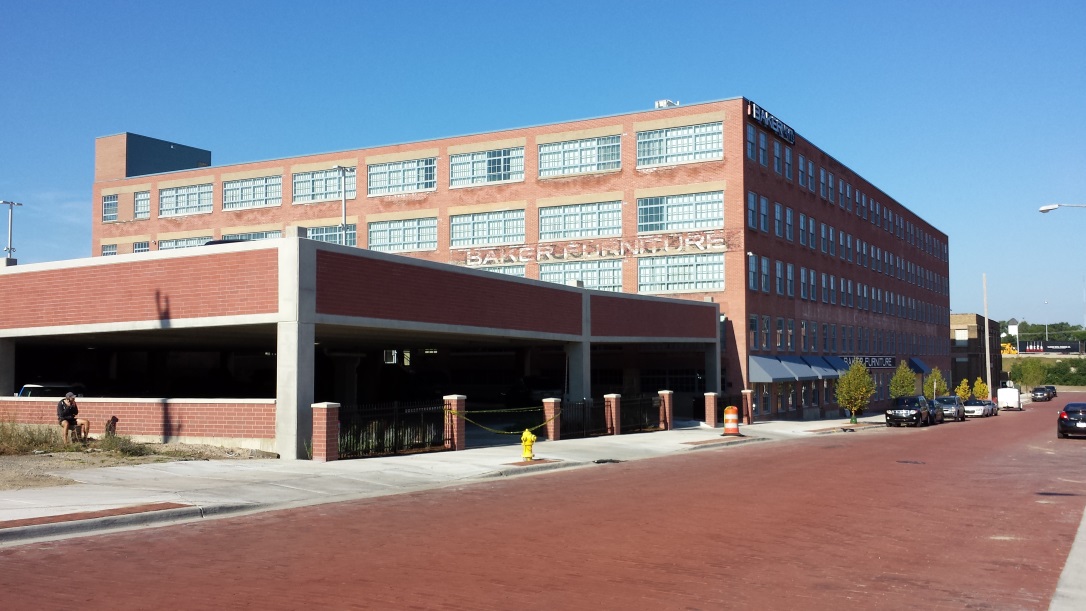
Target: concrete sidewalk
132, 496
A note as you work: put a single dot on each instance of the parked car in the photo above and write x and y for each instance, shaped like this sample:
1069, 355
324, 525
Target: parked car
1051, 391
1071, 421
1040, 393
977, 408
937, 416
50, 389
1009, 398
914, 410
953, 407
992, 406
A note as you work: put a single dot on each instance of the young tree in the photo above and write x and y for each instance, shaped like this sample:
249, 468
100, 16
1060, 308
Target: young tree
980, 389
903, 383
935, 385
963, 390
855, 389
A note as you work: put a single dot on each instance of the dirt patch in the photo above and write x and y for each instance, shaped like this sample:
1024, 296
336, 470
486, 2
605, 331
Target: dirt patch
39, 470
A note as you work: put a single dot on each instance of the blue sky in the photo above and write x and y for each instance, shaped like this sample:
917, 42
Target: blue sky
969, 113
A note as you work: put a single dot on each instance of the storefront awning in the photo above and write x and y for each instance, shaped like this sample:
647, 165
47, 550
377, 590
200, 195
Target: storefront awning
821, 368
837, 363
765, 369
919, 366
800, 369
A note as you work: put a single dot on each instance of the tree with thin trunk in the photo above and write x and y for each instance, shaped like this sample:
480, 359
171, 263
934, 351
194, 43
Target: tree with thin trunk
963, 390
855, 389
935, 385
903, 383
980, 389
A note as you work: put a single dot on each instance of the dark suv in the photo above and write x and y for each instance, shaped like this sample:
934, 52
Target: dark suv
1051, 391
1040, 393
914, 410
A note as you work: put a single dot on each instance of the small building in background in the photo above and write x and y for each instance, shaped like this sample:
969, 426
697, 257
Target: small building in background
967, 350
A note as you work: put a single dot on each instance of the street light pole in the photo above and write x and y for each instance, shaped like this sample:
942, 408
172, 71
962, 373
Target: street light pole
343, 170
11, 209
1051, 207
1046, 322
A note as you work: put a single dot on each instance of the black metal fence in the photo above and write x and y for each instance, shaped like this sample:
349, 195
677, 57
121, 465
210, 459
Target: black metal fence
640, 413
379, 429
583, 418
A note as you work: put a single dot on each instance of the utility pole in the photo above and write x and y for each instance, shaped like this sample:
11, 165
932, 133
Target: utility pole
987, 339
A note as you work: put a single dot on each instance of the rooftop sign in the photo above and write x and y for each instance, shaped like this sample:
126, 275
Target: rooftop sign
773, 124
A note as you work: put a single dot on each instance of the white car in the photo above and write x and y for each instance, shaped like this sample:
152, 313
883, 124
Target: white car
976, 408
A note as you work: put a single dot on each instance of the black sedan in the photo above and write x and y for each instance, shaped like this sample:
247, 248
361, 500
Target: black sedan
1072, 420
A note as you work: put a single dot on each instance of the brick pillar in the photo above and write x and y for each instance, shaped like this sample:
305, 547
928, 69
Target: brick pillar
325, 432
455, 425
612, 413
552, 413
667, 410
710, 410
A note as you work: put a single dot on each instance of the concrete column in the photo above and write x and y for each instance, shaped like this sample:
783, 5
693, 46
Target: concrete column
347, 379
710, 410
552, 413
612, 413
293, 389
712, 369
325, 431
579, 364
455, 425
667, 410
7, 367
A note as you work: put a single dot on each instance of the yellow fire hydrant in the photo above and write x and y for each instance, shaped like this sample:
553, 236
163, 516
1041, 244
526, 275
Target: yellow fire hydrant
527, 440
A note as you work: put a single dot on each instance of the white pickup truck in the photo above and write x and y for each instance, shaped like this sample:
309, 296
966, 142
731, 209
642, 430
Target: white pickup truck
1009, 398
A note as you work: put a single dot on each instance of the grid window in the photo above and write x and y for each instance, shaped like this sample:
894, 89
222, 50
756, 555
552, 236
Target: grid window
802, 173
802, 229
788, 162
680, 273
752, 272
752, 210
323, 185
143, 205
109, 249
778, 220
501, 227
765, 332
603, 219
810, 175
777, 162
178, 201
402, 176
141, 247
487, 167
790, 280
763, 214
333, 234
803, 283
605, 275
261, 192
679, 212
182, 243
253, 235
679, 144
580, 156
765, 274
788, 226
763, 154
109, 210
506, 270
779, 277
403, 235
752, 333
750, 142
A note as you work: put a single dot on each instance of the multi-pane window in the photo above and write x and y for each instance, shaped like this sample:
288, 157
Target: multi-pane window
810, 175
260, 192
333, 234
765, 332
109, 209
109, 249
680, 273
580, 156
802, 229
752, 210
788, 162
323, 185
402, 176
765, 274
141, 247
763, 155
182, 243
142, 205
603, 219
752, 272
778, 220
501, 227
679, 144
485, 167
750, 142
763, 214
253, 235
506, 270
679, 212
790, 280
178, 201
779, 277
803, 283
777, 162
790, 342
788, 233
802, 172
603, 275
779, 340
403, 235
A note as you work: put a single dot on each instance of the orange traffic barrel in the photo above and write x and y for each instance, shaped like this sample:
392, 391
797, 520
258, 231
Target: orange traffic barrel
731, 420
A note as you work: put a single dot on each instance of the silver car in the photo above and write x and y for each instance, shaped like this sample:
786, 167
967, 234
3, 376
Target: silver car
953, 407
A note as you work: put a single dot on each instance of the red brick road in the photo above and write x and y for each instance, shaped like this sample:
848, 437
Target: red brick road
978, 514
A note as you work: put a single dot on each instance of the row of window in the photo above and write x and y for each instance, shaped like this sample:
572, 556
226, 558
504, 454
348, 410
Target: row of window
783, 335
840, 244
658, 147
843, 194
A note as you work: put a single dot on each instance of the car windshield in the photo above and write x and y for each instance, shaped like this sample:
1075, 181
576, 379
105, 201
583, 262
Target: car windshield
947, 400
1039, 389
907, 401
974, 402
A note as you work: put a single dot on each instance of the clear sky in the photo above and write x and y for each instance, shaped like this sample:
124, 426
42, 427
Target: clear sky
970, 113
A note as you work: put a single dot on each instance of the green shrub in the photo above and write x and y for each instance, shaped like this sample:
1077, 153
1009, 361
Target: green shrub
24, 439
122, 445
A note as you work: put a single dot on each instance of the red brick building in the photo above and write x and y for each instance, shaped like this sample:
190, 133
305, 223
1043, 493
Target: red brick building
809, 264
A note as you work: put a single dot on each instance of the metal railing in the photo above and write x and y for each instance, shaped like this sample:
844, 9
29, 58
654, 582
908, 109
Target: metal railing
380, 429
584, 418
640, 413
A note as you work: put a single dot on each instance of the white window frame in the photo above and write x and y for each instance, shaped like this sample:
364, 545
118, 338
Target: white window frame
487, 167
680, 273
591, 220
402, 235
141, 205
408, 176
247, 193
580, 156
681, 212
600, 275
109, 210
323, 186
685, 144
487, 228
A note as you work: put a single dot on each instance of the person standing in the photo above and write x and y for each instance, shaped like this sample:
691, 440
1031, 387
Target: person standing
67, 410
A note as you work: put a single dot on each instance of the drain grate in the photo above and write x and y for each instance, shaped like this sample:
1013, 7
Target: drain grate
911, 462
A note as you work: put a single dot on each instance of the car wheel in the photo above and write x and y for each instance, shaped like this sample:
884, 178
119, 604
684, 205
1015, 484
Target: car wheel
1061, 435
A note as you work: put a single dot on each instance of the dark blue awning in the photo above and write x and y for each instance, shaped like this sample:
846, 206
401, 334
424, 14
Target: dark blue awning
837, 363
821, 368
766, 369
798, 367
919, 366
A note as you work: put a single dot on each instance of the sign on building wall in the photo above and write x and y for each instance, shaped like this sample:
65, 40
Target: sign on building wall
773, 124
606, 248
873, 362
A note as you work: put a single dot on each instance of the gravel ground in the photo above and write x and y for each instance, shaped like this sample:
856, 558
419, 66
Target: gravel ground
37, 470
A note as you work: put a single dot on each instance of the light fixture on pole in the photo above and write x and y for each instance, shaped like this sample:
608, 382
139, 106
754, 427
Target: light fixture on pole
343, 171
1051, 207
10, 249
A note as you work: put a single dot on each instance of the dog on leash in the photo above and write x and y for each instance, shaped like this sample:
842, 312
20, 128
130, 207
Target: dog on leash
111, 426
